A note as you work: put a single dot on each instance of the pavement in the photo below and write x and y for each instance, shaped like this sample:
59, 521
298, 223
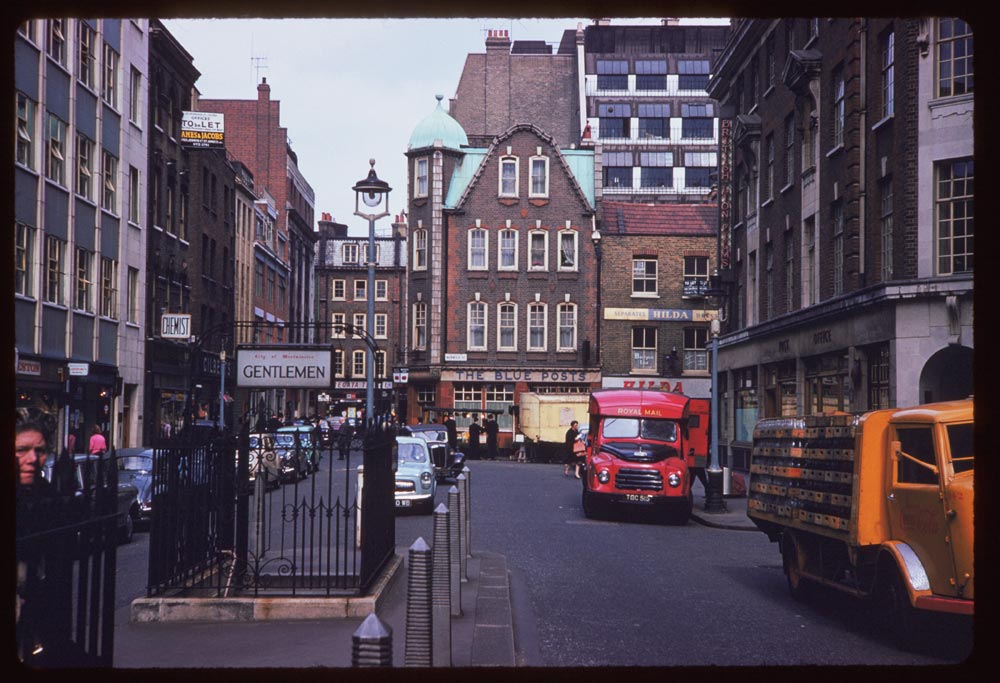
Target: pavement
487, 633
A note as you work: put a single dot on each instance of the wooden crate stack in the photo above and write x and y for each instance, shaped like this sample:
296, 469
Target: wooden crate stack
802, 471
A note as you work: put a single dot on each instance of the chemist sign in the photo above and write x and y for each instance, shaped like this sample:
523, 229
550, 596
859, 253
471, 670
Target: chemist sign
298, 368
203, 129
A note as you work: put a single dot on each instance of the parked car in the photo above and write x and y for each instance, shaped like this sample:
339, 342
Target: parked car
447, 463
264, 460
86, 472
416, 482
326, 434
135, 466
296, 452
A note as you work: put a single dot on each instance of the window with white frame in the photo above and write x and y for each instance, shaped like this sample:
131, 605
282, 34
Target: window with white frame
538, 250
426, 395
507, 326
135, 97
789, 149
109, 85
27, 29
695, 275
885, 220
769, 67
478, 246
837, 223
25, 153
84, 167
360, 322
567, 327
56, 46
500, 397
539, 177
692, 74
55, 250
349, 252
338, 290
789, 273
360, 290
568, 250
364, 253
954, 57
507, 249
109, 166
537, 326
24, 240
381, 325
768, 281
768, 190
476, 326
887, 49
695, 349
643, 349
420, 249
56, 160
358, 363
379, 364
617, 170
656, 169
135, 196
954, 215
839, 110
83, 299
420, 177
381, 290
508, 176
109, 287
644, 276
338, 320
338, 362
87, 54
132, 310
468, 399
420, 325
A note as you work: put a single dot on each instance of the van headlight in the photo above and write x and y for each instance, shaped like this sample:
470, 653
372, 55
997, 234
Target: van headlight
674, 479
425, 479
604, 476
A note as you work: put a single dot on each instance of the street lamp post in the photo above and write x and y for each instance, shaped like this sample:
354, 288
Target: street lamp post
595, 237
374, 193
714, 502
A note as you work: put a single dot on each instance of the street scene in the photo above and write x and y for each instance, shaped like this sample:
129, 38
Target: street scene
581, 342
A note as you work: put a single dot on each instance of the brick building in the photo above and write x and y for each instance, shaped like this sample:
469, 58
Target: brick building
254, 135
502, 281
654, 327
848, 251
342, 298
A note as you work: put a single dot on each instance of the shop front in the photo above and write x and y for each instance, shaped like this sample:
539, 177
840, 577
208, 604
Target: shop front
39, 393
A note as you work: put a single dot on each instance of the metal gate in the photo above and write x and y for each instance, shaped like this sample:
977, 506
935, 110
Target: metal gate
66, 554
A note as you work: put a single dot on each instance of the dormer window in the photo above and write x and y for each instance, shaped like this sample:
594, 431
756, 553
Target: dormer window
508, 176
539, 177
350, 253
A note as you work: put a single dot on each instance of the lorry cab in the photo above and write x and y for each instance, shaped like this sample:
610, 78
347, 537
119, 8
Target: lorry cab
640, 449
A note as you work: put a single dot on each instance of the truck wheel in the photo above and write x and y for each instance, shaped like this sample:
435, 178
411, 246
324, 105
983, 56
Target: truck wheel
903, 620
798, 586
128, 529
589, 504
683, 514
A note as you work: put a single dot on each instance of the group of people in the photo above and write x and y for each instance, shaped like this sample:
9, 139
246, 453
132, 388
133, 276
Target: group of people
491, 430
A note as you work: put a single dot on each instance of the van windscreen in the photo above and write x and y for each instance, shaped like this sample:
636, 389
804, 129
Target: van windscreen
632, 428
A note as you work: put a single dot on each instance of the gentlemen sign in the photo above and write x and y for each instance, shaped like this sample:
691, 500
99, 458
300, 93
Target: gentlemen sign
283, 368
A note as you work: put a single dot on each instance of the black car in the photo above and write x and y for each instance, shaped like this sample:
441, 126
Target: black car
447, 463
88, 472
135, 466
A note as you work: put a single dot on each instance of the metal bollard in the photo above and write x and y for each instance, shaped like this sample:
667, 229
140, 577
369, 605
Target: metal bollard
372, 643
467, 473
454, 551
418, 606
441, 590
463, 528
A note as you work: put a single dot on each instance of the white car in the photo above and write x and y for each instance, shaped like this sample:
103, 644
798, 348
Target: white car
416, 482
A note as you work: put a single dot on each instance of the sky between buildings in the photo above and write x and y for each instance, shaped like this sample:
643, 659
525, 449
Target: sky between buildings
350, 89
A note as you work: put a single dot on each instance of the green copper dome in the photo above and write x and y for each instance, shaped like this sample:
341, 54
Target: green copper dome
438, 126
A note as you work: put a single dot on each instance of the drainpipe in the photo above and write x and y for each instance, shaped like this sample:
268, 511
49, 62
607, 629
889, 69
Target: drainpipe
863, 166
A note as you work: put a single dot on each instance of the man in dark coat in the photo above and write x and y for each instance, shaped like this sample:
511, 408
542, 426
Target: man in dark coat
474, 430
492, 430
344, 436
452, 428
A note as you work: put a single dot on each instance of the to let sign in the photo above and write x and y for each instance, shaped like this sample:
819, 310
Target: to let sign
175, 326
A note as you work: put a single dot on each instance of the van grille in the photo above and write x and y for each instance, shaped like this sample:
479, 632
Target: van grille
403, 485
645, 480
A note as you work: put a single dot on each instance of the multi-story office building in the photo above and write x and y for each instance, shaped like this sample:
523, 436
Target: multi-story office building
848, 252
655, 326
502, 281
342, 299
255, 136
79, 226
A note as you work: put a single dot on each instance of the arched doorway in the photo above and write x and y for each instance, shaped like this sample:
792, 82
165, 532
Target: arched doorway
947, 375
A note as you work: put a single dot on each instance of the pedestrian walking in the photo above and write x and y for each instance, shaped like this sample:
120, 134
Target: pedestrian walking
492, 429
569, 457
344, 436
452, 429
474, 431
98, 444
